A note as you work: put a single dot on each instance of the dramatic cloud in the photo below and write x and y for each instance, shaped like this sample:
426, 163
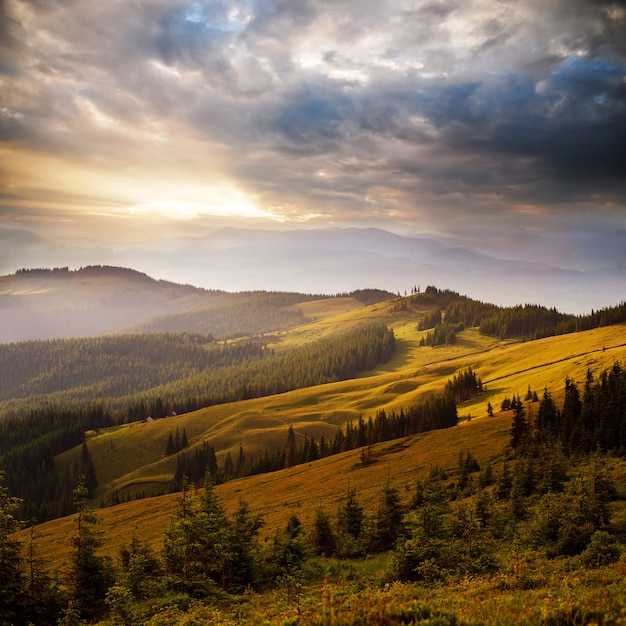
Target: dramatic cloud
411, 116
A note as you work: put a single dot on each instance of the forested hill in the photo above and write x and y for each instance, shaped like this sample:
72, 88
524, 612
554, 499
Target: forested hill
122, 373
451, 312
62, 303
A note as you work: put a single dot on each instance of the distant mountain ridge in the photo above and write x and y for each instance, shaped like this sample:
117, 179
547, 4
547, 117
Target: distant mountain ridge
62, 303
565, 273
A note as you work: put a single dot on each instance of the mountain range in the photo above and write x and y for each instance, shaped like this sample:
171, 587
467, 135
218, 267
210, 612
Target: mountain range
566, 274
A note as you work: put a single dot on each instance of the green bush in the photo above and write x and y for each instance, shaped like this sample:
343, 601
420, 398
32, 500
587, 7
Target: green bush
602, 550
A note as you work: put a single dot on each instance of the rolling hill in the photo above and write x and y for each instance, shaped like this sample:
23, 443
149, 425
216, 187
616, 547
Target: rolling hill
521, 577
130, 462
94, 300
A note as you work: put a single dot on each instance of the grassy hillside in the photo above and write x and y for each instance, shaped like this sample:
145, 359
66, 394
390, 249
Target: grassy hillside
299, 489
529, 585
130, 458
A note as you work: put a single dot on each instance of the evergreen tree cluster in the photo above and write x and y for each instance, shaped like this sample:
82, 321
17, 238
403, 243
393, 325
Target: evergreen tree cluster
146, 375
29, 443
524, 321
176, 443
28, 446
442, 334
368, 296
592, 418
435, 412
549, 497
465, 385
430, 319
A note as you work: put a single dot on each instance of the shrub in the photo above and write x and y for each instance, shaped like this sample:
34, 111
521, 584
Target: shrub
602, 550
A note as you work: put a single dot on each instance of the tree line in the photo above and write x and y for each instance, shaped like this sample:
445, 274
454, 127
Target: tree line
152, 374
527, 321
592, 418
435, 412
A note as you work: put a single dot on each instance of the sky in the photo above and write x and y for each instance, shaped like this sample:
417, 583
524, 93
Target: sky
477, 122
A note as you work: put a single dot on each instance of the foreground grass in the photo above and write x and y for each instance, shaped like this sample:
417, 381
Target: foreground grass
332, 592
564, 594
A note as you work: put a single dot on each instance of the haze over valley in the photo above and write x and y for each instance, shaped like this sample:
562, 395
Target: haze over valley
554, 272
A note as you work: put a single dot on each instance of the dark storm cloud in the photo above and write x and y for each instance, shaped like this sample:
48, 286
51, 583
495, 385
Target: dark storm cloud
340, 108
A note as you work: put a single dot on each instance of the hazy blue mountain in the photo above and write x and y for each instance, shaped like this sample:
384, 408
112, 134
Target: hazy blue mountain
573, 275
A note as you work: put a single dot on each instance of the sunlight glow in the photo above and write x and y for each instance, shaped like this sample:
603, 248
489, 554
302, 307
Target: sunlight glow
184, 210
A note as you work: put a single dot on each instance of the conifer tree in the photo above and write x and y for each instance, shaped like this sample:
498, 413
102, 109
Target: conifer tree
90, 574
291, 452
241, 463
350, 525
196, 546
140, 568
519, 428
323, 540
229, 467
351, 515
43, 599
389, 517
288, 552
169, 446
242, 549
547, 417
88, 468
11, 572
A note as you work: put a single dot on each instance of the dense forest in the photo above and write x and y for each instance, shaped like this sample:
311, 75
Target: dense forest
152, 374
453, 312
214, 374
549, 498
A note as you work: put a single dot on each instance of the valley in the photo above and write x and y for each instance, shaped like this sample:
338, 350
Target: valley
510, 515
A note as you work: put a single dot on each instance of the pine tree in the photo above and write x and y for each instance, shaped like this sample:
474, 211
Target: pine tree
12, 583
350, 515
242, 549
323, 540
229, 467
88, 468
43, 599
140, 568
519, 428
572, 407
547, 417
288, 552
389, 517
170, 448
196, 546
241, 463
291, 452
89, 575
